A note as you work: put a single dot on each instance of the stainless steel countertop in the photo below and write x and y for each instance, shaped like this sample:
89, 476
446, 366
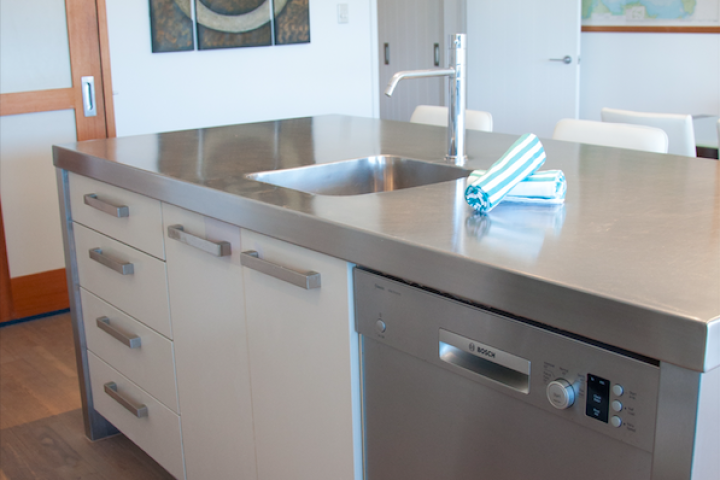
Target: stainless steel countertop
631, 260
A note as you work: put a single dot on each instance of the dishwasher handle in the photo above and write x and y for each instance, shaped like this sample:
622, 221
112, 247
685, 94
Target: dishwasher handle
485, 360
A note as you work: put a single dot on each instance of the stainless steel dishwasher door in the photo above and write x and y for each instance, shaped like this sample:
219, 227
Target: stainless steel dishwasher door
454, 392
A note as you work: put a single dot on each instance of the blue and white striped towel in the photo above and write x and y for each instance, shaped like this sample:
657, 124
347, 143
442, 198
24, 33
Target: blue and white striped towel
545, 187
487, 189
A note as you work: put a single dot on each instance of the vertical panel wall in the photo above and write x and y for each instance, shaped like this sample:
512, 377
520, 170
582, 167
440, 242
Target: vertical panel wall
411, 28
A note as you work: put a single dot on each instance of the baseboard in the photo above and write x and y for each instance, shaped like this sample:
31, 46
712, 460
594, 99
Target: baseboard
39, 294
34, 317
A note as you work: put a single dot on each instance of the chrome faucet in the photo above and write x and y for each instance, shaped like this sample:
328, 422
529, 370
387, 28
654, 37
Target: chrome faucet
457, 71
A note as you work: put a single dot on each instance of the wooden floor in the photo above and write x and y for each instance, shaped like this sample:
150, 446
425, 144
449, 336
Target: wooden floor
41, 429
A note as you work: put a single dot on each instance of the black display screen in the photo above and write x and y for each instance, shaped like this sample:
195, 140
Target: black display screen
598, 398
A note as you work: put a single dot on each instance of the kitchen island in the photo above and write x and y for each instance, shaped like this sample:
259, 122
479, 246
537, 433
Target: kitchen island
630, 262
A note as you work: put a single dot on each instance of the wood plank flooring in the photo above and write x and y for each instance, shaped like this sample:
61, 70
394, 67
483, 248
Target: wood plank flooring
41, 430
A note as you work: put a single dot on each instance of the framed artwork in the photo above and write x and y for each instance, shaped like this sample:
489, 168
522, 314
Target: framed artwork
233, 23
228, 23
171, 26
681, 16
292, 22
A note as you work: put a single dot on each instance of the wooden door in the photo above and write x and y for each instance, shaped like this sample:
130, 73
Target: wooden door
32, 290
408, 32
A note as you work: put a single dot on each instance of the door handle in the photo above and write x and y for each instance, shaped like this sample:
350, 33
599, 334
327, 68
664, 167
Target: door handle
436, 54
217, 249
88, 94
387, 54
567, 59
307, 280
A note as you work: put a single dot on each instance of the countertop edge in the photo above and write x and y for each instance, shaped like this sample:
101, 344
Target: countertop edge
557, 306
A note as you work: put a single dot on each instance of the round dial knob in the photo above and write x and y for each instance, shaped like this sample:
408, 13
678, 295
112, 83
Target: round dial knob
561, 394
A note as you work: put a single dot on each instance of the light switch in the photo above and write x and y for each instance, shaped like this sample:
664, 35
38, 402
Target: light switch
343, 15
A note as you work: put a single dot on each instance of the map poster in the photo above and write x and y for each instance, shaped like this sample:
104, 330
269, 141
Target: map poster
651, 13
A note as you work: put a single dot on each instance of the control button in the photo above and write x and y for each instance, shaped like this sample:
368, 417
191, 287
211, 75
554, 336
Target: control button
617, 406
616, 421
560, 393
618, 390
380, 326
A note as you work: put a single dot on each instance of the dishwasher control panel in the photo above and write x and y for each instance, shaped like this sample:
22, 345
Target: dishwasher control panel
602, 389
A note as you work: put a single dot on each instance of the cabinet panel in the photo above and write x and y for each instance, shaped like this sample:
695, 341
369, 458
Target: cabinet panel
158, 433
206, 297
304, 366
150, 364
142, 294
141, 228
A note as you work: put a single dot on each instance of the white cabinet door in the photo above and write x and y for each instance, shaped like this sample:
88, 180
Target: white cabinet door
513, 46
213, 376
305, 367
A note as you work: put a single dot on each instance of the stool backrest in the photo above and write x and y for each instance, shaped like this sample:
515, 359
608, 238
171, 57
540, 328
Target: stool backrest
679, 128
433, 115
633, 137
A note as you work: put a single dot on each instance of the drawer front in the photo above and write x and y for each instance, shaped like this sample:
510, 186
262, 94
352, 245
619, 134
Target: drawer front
136, 351
141, 228
142, 294
158, 432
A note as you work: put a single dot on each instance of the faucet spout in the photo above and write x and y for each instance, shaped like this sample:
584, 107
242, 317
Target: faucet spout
432, 72
457, 71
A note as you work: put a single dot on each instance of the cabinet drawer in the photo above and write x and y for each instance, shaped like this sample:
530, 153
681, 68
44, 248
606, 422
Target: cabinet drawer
141, 294
158, 432
147, 361
141, 228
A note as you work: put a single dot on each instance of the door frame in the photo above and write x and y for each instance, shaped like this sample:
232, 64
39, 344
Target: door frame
89, 47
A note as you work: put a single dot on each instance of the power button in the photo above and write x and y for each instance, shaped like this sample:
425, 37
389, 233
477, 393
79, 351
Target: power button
380, 326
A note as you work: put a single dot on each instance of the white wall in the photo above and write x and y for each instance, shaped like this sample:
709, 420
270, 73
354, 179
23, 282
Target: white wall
650, 72
334, 73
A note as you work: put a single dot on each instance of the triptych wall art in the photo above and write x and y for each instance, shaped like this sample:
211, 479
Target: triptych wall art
227, 23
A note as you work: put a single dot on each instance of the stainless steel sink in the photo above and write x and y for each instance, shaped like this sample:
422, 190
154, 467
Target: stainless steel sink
365, 175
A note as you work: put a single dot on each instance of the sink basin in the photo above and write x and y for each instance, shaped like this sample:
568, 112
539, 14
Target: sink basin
365, 175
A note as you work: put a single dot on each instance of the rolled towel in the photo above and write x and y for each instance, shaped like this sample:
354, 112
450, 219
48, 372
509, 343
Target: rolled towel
487, 189
540, 188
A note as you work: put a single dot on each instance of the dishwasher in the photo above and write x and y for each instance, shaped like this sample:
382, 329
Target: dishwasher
454, 391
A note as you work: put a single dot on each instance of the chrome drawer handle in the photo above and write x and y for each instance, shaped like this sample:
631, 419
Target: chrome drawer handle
120, 267
129, 339
219, 249
138, 410
118, 211
306, 280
